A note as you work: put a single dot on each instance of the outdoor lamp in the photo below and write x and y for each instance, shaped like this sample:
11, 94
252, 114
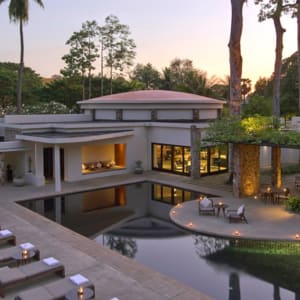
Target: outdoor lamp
80, 291
24, 252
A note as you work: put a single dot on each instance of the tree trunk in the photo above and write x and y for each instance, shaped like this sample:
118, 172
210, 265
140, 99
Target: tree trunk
278, 63
235, 56
276, 166
21, 70
101, 69
236, 63
90, 84
111, 88
298, 53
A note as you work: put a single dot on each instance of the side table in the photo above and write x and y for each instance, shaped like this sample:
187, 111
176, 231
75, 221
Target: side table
88, 293
220, 206
22, 259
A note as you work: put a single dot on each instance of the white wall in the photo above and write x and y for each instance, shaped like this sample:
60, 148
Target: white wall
175, 114
208, 114
107, 114
137, 115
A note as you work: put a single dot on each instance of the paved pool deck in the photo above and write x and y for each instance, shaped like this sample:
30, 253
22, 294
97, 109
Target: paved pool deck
115, 275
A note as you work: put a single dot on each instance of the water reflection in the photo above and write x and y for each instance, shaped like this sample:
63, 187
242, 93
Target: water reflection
207, 245
234, 287
124, 245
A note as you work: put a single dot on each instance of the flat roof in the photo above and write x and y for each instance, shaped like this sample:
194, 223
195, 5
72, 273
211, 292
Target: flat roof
59, 137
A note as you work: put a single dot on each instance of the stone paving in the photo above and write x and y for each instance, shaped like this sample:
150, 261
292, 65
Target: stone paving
118, 276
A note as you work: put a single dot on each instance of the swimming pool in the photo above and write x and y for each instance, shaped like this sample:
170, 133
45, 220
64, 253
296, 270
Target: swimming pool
133, 220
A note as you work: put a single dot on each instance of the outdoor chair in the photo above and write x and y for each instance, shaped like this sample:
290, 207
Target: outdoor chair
206, 206
237, 215
283, 195
58, 289
297, 182
7, 236
9, 277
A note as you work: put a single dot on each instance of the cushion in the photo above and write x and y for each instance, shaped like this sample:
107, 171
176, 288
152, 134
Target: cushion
205, 202
26, 246
5, 232
240, 210
50, 261
78, 279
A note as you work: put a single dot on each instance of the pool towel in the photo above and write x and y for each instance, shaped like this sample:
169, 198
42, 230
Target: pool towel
26, 246
5, 232
50, 261
78, 279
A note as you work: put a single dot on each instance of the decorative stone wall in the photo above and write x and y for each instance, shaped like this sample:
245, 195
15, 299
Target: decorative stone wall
246, 170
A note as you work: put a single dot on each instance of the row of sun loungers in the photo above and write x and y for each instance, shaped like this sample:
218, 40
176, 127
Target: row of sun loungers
32, 271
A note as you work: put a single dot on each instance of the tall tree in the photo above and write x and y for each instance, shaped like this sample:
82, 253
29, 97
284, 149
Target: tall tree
147, 75
18, 11
235, 57
83, 53
236, 64
118, 48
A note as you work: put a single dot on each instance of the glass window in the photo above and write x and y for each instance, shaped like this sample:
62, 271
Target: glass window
156, 160
214, 159
178, 195
178, 159
204, 160
156, 191
167, 157
187, 160
167, 194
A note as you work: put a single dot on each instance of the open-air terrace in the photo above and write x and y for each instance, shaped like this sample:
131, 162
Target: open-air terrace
117, 276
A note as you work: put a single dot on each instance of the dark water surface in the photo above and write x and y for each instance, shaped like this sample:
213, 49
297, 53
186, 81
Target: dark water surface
128, 220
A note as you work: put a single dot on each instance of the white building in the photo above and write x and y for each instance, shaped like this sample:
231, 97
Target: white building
163, 129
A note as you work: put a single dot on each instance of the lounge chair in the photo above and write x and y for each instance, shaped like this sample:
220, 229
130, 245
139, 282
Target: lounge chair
283, 195
206, 206
7, 236
7, 254
10, 277
237, 215
56, 290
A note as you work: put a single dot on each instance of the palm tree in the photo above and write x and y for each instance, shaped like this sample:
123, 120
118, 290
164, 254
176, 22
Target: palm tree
18, 13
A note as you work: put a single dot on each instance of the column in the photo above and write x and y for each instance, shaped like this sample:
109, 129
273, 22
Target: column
56, 168
195, 151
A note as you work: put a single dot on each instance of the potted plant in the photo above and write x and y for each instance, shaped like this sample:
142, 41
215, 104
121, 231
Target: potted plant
138, 167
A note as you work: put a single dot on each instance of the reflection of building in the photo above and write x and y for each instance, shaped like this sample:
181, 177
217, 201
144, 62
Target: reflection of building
163, 129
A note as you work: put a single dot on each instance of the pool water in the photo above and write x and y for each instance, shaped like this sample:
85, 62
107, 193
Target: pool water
127, 220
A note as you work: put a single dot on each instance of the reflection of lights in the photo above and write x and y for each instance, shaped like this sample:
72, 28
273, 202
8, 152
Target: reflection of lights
297, 236
236, 233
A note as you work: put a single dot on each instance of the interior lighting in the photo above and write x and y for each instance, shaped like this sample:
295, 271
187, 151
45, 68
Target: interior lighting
236, 233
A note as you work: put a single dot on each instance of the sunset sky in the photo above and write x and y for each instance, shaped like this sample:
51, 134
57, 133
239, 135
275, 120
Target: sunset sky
162, 30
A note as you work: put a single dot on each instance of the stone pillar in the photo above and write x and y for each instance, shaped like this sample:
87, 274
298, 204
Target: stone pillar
246, 170
56, 168
195, 151
2, 170
276, 166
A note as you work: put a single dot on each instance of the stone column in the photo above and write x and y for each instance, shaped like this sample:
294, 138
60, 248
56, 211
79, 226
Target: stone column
56, 168
276, 166
195, 151
246, 170
2, 170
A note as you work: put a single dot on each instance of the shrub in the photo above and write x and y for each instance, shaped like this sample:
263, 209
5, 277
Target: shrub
293, 204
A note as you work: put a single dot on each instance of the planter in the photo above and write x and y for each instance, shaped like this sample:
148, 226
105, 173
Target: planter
138, 168
18, 181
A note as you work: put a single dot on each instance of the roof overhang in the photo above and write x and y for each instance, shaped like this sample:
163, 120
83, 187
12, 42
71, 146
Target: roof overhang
55, 137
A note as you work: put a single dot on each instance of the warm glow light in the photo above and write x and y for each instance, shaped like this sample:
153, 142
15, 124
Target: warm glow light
178, 205
24, 252
80, 290
255, 197
236, 233
268, 189
220, 203
284, 190
297, 236
190, 224
173, 212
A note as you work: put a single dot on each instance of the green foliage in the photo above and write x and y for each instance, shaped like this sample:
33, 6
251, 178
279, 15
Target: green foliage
253, 130
147, 75
257, 105
293, 203
292, 169
32, 84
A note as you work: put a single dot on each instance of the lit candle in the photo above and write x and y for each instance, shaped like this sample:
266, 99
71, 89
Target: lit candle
297, 236
24, 252
220, 203
190, 224
80, 290
236, 233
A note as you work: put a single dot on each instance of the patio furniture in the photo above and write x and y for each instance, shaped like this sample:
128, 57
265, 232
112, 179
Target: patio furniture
282, 195
267, 194
221, 206
237, 215
60, 289
7, 236
206, 206
9, 277
16, 254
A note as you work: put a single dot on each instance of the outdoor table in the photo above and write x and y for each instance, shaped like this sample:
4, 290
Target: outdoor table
221, 205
